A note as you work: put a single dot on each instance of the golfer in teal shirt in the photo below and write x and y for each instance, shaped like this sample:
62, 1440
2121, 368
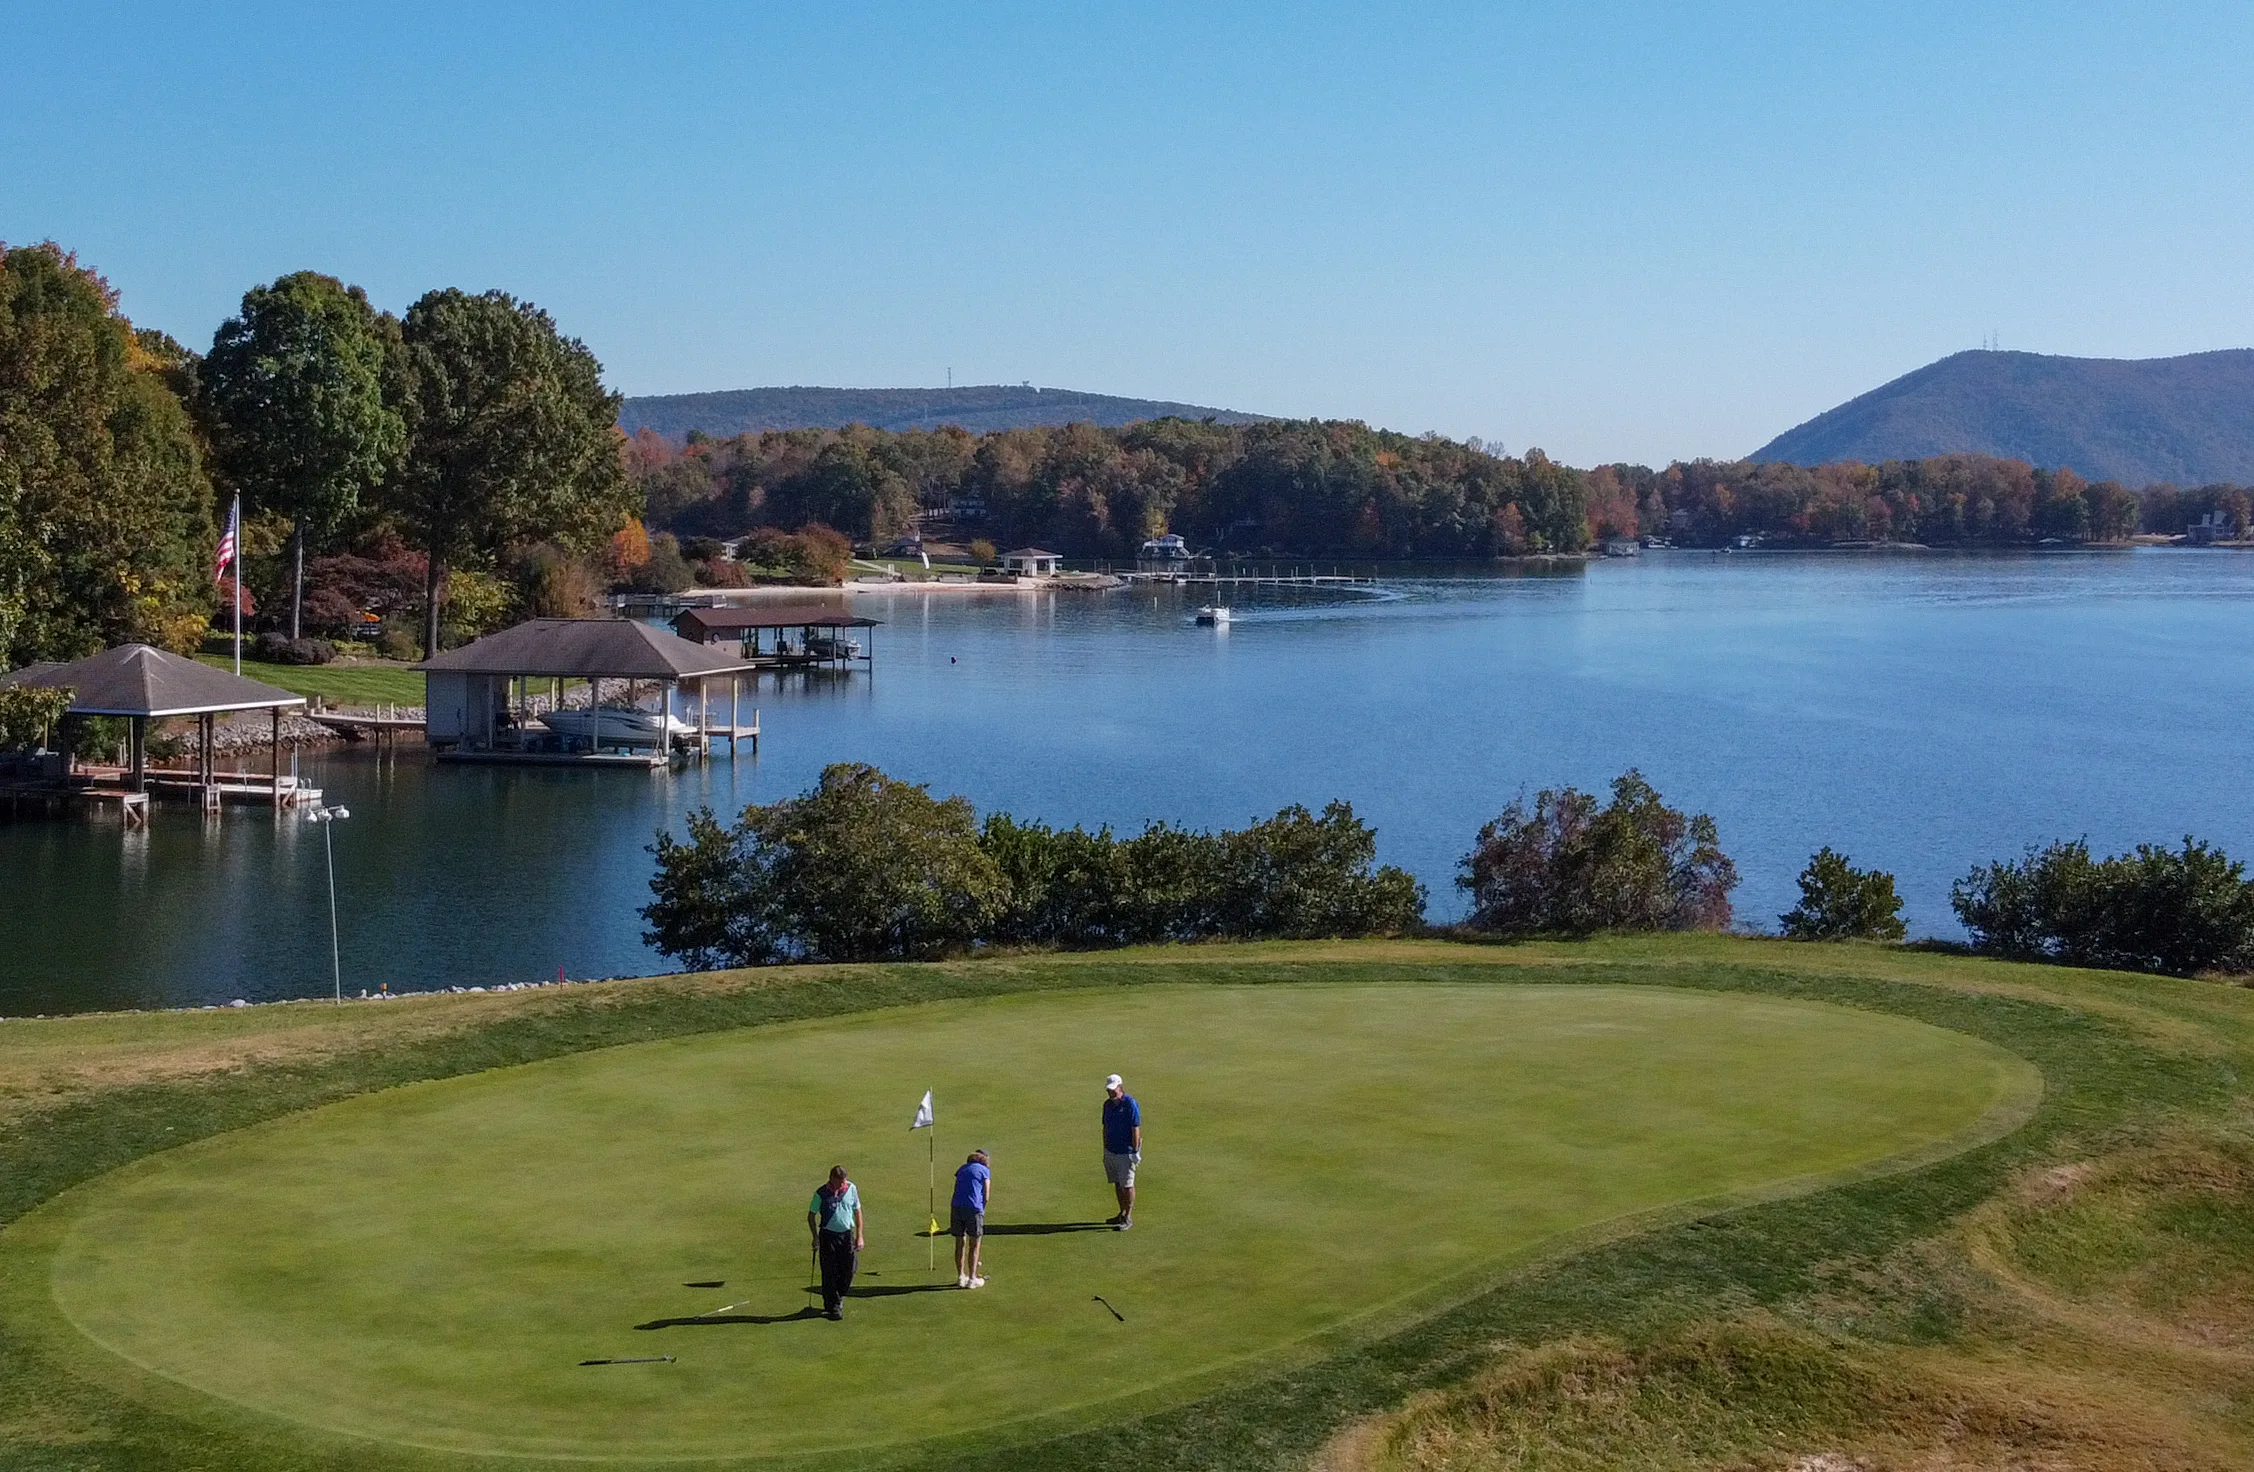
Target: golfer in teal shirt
840, 1232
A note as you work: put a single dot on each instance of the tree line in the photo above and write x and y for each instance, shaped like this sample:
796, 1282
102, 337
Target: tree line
436, 448
865, 867
1314, 488
1341, 489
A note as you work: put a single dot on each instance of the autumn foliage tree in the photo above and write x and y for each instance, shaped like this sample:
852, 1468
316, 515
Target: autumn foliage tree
105, 503
1565, 866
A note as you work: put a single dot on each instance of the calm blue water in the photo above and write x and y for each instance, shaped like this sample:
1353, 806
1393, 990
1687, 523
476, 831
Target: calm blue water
1921, 712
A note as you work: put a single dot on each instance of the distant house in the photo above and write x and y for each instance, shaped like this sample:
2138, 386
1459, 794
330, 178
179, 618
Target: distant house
1166, 554
1032, 562
2213, 526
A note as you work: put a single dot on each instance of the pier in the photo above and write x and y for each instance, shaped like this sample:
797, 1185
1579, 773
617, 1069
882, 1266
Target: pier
1237, 577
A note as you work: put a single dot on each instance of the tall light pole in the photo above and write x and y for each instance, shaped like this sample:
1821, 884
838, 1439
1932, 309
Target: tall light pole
328, 818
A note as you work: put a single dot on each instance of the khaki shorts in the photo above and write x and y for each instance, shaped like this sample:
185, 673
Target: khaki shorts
1120, 1169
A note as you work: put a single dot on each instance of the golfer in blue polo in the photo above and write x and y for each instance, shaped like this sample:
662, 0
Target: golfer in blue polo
966, 1217
1123, 1148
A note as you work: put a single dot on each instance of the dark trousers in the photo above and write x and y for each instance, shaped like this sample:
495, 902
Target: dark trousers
839, 1259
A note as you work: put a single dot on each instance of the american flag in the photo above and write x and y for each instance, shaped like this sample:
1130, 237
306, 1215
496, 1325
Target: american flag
227, 542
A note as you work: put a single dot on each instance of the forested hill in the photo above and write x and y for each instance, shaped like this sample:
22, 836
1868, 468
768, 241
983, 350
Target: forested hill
2187, 421
991, 406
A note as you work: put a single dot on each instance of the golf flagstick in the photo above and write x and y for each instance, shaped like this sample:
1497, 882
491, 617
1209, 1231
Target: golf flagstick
924, 1120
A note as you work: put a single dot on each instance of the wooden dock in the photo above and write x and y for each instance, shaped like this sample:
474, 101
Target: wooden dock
355, 721
1247, 578
132, 807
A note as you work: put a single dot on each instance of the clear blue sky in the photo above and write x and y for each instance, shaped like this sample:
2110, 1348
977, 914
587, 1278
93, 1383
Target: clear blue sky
1615, 231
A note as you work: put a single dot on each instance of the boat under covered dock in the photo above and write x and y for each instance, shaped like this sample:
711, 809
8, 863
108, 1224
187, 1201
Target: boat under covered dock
510, 697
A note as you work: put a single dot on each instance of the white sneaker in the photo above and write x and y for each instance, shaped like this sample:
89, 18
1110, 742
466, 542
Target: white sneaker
961, 1281
978, 1282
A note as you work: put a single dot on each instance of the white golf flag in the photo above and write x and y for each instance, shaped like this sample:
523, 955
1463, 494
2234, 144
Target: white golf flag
923, 1120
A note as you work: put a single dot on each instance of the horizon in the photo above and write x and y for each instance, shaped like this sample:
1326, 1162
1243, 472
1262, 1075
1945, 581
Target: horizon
1621, 235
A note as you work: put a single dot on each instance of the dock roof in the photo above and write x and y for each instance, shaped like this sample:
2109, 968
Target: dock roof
136, 680
586, 648
737, 617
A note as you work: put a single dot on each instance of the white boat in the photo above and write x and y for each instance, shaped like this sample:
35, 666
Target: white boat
832, 646
617, 726
1213, 615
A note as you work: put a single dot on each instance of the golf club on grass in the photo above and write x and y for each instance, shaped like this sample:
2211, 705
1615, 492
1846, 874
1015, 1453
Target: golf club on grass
1115, 1313
650, 1359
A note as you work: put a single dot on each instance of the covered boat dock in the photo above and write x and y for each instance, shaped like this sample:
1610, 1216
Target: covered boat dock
484, 703
142, 684
805, 635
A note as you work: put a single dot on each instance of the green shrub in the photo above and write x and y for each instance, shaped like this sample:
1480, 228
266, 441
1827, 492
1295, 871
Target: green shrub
866, 868
1841, 902
275, 648
861, 868
2155, 909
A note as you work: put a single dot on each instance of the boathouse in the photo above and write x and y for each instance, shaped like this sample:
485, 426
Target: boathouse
1032, 562
781, 636
650, 695
142, 684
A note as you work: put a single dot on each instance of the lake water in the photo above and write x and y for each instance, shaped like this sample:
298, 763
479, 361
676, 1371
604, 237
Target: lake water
1922, 712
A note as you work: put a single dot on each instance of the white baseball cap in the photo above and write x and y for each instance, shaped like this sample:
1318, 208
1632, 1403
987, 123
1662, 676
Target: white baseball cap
1114, 1081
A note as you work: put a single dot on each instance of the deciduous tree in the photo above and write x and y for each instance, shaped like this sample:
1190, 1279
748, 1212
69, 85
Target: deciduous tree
302, 423
511, 437
105, 504
1566, 866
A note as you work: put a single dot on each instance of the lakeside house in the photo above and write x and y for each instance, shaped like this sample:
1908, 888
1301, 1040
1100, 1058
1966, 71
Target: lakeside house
1164, 555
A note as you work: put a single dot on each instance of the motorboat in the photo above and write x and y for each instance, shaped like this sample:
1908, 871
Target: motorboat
833, 646
1213, 616
614, 725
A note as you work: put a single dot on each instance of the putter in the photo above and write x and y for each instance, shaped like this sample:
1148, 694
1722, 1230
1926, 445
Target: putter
1115, 1313
651, 1359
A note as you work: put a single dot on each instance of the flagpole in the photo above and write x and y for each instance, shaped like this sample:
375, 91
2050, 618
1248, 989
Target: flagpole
237, 522
931, 1200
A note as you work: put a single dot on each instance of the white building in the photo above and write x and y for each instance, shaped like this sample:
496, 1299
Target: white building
1032, 562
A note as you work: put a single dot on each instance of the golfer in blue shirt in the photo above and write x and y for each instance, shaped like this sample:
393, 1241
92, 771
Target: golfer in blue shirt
966, 1217
1123, 1148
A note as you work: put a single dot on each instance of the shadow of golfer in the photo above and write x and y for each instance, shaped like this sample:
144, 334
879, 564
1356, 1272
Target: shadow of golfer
700, 1320
895, 1292
1045, 1229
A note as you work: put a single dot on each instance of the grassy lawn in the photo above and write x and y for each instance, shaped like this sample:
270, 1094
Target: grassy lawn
1697, 1202
340, 684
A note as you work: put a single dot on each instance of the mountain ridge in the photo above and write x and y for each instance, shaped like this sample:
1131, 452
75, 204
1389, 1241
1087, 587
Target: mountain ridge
2186, 420
976, 408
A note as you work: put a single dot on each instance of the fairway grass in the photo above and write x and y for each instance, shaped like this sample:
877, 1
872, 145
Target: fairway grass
1379, 1175
429, 1265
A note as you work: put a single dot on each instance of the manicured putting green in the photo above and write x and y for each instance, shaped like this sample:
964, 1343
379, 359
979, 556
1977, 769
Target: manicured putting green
429, 1265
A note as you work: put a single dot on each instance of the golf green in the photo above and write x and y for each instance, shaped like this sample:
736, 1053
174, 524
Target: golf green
428, 1266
